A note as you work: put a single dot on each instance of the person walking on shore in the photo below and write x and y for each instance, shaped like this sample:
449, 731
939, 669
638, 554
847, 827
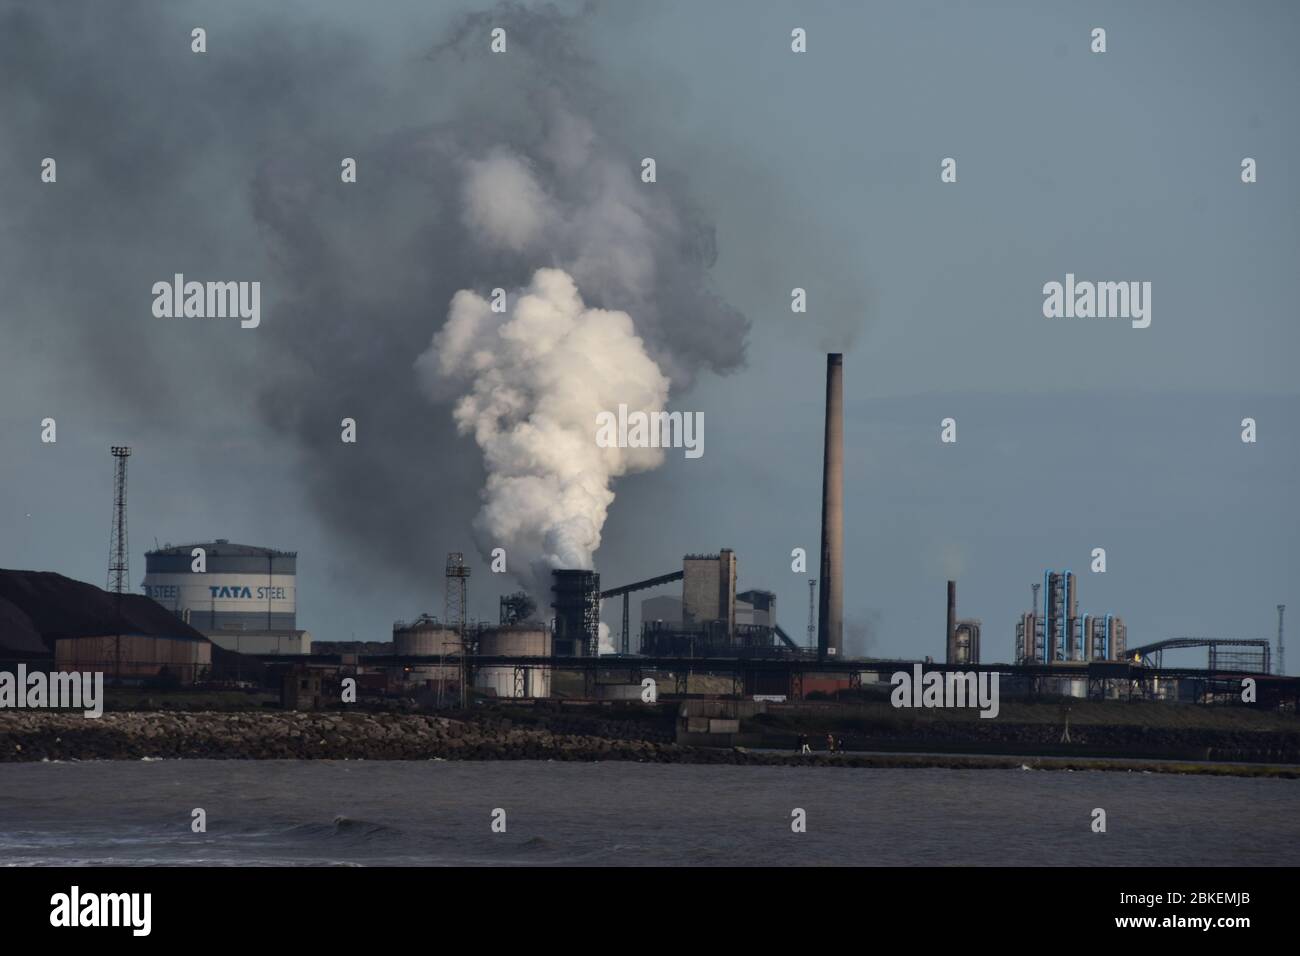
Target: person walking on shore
803, 744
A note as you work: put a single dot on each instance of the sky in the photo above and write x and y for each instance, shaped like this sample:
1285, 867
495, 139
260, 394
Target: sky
775, 170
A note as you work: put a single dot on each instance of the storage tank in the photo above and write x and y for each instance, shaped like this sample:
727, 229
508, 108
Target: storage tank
524, 680
426, 636
241, 587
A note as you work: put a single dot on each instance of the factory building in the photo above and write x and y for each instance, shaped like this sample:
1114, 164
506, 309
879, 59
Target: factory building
665, 608
1056, 631
756, 607
244, 599
709, 590
662, 639
135, 656
714, 620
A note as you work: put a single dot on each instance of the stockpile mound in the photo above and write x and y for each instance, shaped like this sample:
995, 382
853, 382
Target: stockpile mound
38, 608
58, 607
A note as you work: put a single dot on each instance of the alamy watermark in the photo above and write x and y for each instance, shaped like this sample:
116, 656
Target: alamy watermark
59, 690
651, 430
74, 909
209, 300
1100, 300
946, 689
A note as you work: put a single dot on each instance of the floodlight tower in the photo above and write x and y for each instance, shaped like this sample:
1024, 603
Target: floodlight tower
119, 574
455, 603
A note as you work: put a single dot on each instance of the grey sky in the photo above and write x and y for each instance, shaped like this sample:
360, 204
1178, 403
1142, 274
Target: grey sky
818, 170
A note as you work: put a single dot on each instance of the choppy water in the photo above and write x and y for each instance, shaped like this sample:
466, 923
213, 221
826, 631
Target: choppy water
440, 813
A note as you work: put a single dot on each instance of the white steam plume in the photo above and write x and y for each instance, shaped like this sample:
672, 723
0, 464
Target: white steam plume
531, 381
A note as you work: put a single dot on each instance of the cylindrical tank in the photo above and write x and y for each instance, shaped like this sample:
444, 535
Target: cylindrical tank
222, 588
522, 680
425, 637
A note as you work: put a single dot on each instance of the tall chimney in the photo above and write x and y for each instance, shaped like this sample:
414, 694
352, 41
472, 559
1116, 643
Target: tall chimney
830, 612
951, 655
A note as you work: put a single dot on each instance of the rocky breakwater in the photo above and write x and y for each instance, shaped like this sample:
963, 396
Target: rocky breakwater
1179, 743
281, 735
272, 735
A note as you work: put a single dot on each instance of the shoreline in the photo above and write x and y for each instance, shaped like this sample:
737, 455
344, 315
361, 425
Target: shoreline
31, 736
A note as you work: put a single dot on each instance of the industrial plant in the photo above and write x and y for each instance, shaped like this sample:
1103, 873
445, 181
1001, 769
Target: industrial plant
220, 611
1057, 631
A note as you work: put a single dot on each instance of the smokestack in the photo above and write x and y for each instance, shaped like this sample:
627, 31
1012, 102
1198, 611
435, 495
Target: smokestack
830, 616
952, 623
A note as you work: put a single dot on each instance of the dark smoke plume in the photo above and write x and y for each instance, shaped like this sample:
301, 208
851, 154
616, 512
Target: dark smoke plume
474, 171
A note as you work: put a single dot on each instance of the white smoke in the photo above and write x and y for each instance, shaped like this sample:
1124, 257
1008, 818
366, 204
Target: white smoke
532, 380
566, 208
504, 205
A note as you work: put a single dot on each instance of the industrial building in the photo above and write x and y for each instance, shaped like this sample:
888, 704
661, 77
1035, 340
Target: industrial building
756, 607
1056, 630
664, 608
711, 619
709, 590
244, 599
